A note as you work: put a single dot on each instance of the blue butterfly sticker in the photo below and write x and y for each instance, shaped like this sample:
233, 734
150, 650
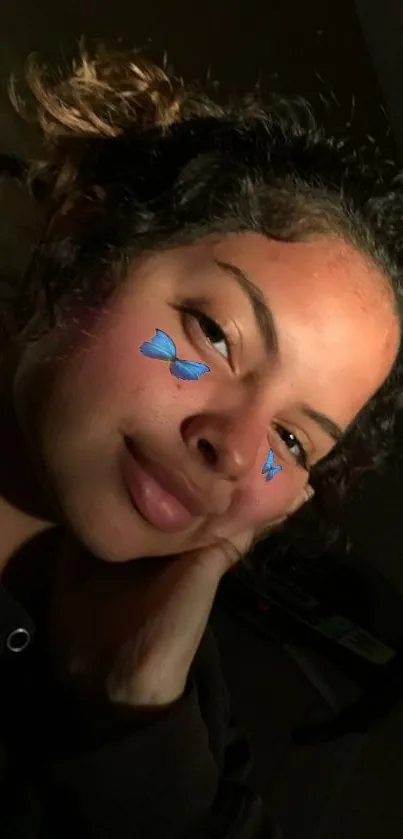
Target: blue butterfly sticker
163, 347
270, 468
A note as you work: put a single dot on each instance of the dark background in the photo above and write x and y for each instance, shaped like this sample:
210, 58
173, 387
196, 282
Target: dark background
314, 48
347, 59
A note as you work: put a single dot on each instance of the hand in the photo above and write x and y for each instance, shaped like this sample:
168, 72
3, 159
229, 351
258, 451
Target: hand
130, 632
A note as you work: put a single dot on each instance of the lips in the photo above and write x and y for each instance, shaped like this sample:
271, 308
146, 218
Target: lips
163, 498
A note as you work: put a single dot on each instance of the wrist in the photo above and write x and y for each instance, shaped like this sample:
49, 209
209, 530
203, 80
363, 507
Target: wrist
143, 692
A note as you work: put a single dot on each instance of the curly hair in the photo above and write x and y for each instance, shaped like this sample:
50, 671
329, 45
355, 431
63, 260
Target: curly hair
135, 161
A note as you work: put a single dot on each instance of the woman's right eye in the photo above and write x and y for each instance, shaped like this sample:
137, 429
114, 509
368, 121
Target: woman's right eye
215, 335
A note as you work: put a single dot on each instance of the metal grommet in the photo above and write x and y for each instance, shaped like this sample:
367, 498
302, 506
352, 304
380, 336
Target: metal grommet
18, 640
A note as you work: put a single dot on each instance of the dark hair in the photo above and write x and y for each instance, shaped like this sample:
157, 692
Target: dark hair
135, 161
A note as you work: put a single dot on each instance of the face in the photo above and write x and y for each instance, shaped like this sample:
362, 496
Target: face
297, 338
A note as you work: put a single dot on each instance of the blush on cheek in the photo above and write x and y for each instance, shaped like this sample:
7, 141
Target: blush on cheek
271, 500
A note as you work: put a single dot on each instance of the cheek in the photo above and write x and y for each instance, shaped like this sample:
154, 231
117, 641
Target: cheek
111, 374
152, 396
266, 501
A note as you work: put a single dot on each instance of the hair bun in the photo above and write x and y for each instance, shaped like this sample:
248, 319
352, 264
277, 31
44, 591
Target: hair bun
104, 96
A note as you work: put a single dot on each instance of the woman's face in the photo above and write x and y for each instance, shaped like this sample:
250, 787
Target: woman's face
305, 334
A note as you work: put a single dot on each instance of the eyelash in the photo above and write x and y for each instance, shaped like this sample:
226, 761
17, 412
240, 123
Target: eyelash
302, 457
203, 319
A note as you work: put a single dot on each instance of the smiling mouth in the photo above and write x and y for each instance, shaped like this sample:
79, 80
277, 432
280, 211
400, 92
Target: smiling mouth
161, 497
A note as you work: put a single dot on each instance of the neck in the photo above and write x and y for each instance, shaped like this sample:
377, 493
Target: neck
23, 511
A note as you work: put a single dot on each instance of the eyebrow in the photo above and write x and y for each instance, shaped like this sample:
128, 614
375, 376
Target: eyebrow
327, 425
263, 314
266, 326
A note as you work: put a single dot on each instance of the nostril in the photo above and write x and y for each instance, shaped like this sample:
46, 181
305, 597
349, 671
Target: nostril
208, 451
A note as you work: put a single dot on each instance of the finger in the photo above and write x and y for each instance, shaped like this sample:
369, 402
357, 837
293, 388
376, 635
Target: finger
201, 570
227, 552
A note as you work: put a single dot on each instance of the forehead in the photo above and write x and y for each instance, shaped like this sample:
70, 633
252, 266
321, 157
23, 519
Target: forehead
315, 270
333, 310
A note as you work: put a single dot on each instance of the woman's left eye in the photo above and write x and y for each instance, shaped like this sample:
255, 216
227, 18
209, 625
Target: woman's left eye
294, 446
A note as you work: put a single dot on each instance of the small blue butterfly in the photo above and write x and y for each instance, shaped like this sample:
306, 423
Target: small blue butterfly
270, 468
163, 347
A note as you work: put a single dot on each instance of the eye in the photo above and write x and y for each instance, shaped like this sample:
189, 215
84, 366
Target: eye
293, 445
212, 331
214, 334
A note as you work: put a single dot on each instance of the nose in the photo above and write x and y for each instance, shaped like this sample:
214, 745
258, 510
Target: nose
228, 446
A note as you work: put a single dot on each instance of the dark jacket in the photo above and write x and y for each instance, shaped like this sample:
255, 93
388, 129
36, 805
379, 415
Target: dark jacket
179, 775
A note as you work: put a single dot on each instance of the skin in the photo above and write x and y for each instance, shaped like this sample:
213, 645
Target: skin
83, 387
